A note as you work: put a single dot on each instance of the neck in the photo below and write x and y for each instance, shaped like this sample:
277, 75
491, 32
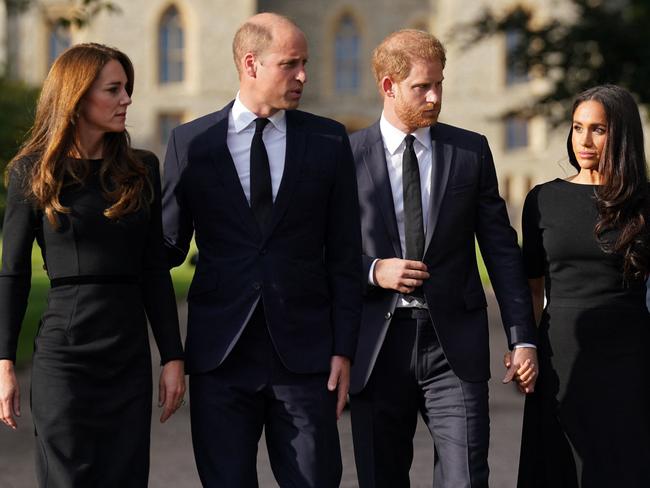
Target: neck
587, 177
258, 108
89, 145
395, 121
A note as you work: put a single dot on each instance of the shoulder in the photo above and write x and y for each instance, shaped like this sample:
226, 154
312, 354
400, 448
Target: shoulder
146, 157
315, 123
363, 139
21, 169
458, 135
201, 124
542, 192
150, 162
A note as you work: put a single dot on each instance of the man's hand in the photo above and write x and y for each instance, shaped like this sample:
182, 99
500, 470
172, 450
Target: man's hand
339, 377
401, 275
171, 388
9, 394
522, 367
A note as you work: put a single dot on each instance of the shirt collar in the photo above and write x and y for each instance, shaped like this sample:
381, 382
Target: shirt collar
393, 137
243, 117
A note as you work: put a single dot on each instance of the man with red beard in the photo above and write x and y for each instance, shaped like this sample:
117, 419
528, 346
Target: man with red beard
427, 190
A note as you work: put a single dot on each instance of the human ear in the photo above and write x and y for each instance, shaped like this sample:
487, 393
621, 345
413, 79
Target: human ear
387, 87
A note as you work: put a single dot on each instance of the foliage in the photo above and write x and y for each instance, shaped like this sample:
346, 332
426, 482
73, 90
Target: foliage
17, 103
599, 42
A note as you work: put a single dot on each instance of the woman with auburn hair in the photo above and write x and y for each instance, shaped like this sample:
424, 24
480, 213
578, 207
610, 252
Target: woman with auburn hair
587, 247
93, 205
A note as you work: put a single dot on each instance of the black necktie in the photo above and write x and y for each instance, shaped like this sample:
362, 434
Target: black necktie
413, 223
261, 192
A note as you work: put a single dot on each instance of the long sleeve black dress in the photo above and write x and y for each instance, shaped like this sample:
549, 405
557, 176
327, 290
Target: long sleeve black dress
91, 386
588, 422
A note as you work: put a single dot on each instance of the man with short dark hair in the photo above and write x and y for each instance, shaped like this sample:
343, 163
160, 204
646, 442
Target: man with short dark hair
427, 190
274, 306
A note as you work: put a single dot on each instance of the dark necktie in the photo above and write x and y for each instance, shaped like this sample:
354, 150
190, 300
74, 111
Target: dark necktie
413, 223
261, 192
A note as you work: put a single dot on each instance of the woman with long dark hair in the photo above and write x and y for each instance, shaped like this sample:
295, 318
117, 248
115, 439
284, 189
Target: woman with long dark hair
93, 205
587, 249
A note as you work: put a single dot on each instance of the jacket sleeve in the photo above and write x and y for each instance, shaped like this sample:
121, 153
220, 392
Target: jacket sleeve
343, 254
158, 291
499, 248
15, 276
178, 226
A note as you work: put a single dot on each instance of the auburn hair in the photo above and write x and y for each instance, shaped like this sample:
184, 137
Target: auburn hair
53, 139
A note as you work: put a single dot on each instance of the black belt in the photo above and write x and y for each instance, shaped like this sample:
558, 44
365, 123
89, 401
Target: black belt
411, 313
95, 280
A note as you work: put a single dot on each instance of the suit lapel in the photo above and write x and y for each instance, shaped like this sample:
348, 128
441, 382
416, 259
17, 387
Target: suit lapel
295, 149
442, 154
227, 172
374, 159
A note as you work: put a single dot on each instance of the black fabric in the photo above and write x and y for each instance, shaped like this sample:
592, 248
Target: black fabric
261, 189
91, 375
412, 191
253, 391
412, 376
588, 422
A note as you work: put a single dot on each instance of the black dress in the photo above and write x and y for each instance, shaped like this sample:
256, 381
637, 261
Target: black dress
91, 376
588, 422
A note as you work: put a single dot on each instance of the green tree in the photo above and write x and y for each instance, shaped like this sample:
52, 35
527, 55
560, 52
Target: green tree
601, 42
17, 103
80, 13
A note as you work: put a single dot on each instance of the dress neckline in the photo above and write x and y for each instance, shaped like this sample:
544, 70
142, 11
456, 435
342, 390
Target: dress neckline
587, 185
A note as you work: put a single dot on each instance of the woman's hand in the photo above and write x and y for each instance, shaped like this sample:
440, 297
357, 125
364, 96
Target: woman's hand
9, 394
171, 388
525, 375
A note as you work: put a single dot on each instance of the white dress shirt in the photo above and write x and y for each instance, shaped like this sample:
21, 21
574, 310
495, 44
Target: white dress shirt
241, 128
394, 146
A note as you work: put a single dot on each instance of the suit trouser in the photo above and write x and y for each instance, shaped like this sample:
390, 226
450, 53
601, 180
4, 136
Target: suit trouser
412, 375
251, 391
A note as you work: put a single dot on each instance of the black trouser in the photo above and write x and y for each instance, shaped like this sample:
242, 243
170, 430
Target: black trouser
251, 391
412, 375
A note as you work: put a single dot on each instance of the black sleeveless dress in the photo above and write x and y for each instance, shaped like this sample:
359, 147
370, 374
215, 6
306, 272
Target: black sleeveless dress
91, 389
588, 422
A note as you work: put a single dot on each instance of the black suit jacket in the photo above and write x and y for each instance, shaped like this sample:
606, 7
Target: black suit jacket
304, 268
465, 204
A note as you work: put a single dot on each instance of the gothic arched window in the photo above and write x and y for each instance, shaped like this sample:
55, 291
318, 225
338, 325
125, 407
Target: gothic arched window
347, 56
171, 47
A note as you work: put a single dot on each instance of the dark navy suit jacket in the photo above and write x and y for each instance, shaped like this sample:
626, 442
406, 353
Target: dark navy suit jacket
465, 205
304, 267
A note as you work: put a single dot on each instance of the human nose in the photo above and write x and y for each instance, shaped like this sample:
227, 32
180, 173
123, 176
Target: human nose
433, 96
301, 76
126, 99
586, 139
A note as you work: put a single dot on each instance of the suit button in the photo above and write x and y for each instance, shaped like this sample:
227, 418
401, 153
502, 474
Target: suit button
263, 251
388, 315
257, 286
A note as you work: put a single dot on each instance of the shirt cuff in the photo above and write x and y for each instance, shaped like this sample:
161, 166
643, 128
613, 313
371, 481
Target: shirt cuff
371, 273
524, 344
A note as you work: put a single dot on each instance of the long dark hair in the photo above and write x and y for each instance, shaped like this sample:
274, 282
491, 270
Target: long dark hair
623, 198
53, 136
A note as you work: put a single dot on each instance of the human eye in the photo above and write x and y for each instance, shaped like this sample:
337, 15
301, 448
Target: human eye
600, 130
577, 127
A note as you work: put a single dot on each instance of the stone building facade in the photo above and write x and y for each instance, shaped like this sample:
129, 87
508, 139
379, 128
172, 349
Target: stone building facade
181, 50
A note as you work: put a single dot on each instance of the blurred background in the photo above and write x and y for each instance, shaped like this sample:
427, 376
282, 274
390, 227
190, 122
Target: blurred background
513, 68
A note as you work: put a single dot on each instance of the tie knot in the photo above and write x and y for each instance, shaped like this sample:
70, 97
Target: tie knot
408, 140
260, 123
